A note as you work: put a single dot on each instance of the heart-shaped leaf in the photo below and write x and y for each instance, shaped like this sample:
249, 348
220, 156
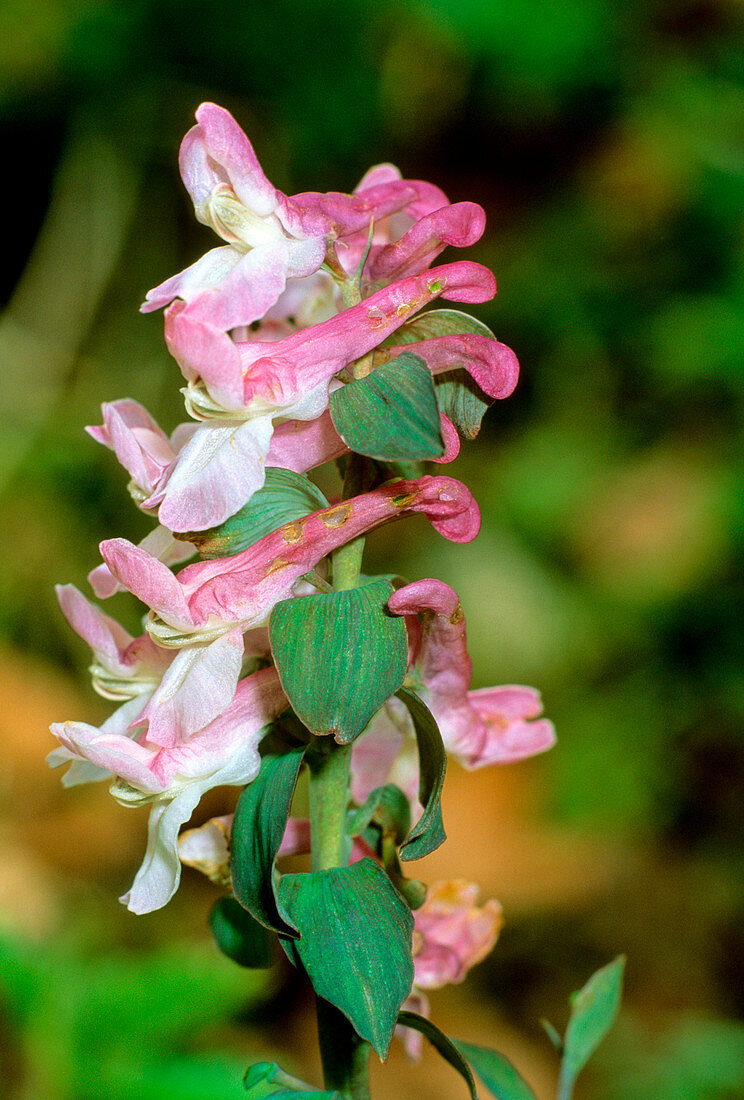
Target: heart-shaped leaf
355, 943
285, 497
257, 831
391, 413
428, 832
340, 656
496, 1072
439, 322
239, 935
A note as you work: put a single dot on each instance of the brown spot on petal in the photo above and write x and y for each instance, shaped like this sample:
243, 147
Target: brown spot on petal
404, 309
376, 317
292, 532
276, 565
404, 500
337, 516
457, 615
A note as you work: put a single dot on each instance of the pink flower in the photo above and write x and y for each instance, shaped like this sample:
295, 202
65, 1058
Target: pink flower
174, 778
487, 726
270, 236
451, 934
241, 388
210, 597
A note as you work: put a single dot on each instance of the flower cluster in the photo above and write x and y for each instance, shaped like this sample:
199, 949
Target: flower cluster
303, 339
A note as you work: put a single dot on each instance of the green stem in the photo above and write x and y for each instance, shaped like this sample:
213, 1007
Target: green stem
566, 1082
343, 1053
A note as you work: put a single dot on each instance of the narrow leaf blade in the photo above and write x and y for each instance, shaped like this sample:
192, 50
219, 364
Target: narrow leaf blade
496, 1072
428, 832
442, 1044
340, 656
593, 1012
258, 827
355, 943
392, 413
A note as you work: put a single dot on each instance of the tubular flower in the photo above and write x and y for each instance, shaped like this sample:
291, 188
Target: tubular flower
270, 236
209, 598
174, 778
241, 388
487, 726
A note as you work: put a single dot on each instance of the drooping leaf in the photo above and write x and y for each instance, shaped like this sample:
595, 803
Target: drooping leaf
340, 656
257, 831
355, 943
285, 497
593, 1012
391, 413
388, 807
496, 1072
442, 1044
428, 832
239, 935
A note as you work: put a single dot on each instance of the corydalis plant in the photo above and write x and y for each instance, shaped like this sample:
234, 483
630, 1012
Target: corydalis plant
273, 661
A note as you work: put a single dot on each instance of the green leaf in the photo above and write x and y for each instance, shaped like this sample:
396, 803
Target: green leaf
388, 807
461, 399
257, 831
340, 656
285, 497
428, 832
355, 943
239, 935
496, 1072
263, 1075
444, 1046
391, 413
440, 322
458, 394
593, 1012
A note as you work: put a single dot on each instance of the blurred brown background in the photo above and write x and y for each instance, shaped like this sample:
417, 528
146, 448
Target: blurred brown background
605, 143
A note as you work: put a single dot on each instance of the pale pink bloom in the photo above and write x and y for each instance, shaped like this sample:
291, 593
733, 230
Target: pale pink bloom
123, 666
142, 447
174, 778
160, 543
451, 933
270, 237
242, 388
488, 726
210, 597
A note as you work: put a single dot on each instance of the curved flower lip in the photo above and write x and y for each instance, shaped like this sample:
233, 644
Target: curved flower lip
270, 236
207, 596
140, 444
125, 666
490, 363
488, 726
275, 374
459, 225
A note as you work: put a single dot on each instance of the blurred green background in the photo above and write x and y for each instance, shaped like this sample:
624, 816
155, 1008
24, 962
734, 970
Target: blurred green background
606, 143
